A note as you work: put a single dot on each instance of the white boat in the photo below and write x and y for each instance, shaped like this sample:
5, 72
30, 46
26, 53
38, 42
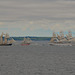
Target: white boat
60, 40
60, 44
26, 41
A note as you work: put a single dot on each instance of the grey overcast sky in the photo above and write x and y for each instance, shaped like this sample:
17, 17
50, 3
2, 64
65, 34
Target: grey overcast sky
36, 17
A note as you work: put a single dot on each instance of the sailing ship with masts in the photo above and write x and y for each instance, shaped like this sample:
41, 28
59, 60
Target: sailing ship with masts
61, 39
26, 41
4, 40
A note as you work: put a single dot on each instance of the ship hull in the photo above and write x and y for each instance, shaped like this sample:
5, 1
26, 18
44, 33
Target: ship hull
60, 44
5, 44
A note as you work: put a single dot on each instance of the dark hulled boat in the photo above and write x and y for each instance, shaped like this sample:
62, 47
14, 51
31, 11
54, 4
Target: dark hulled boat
5, 42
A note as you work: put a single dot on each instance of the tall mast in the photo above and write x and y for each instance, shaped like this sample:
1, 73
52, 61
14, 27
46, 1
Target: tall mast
54, 35
70, 34
53, 38
5, 39
2, 38
61, 34
58, 36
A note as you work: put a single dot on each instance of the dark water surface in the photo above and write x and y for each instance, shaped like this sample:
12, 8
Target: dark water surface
39, 58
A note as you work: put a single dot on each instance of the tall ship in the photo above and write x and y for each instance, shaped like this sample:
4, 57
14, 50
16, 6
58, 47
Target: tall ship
60, 39
26, 41
4, 40
70, 38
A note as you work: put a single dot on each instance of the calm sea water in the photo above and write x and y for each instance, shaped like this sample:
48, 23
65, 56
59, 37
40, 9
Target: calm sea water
38, 58
41, 43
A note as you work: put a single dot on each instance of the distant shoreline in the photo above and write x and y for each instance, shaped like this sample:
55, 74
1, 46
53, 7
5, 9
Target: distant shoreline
32, 38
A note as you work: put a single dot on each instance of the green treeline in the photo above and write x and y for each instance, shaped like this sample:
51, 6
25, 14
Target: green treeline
33, 38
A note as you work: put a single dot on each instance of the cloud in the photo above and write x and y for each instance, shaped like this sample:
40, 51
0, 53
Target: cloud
36, 9
59, 27
43, 24
32, 15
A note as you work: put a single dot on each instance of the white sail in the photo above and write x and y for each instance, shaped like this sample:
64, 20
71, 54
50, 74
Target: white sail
1, 38
61, 34
53, 39
11, 41
54, 35
27, 40
5, 38
70, 34
60, 39
5, 41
